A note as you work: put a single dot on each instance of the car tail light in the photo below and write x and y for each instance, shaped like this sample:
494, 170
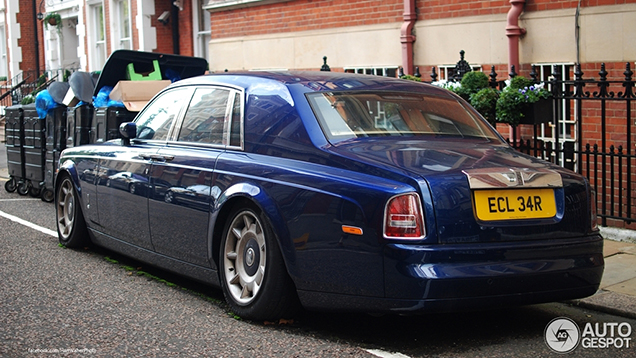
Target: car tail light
403, 217
593, 218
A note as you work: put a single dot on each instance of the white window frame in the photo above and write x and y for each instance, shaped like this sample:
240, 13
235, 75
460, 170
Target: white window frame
373, 70
97, 47
445, 72
122, 41
549, 135
4, 69
201, 28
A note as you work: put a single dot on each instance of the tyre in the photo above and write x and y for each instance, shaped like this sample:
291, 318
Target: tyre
132, 189
253, 275
34, 192
71, 227
24, 187
48, 195
11, 185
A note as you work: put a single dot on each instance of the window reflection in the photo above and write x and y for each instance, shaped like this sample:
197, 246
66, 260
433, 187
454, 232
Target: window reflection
205, 119
155, 121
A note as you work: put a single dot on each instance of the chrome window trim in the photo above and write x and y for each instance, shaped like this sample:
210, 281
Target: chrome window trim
234, 91
177, 120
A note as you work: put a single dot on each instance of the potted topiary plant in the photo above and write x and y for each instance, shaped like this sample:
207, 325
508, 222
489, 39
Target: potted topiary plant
524, 102
472, 82
485, 102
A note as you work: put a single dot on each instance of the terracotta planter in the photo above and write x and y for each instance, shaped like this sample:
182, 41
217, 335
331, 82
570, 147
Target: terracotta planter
539, 112
52, 21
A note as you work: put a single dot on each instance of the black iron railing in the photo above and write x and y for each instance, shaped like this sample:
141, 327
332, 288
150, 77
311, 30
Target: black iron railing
600, 142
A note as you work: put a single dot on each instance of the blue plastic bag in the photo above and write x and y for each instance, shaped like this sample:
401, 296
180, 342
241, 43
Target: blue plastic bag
103, 98
43, 103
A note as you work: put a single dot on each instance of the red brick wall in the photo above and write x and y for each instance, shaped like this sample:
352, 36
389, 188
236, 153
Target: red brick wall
27, 36
164, 32
186, 42
304, 15
439, 9
108, 29
133, 26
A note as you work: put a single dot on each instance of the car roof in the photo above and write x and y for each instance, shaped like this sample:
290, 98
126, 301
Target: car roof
315, 81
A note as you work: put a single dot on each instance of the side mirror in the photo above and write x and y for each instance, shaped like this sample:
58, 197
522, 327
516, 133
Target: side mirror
128, 131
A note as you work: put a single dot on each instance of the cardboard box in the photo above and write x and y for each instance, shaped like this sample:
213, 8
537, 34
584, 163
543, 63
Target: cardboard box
135, 94
70, 100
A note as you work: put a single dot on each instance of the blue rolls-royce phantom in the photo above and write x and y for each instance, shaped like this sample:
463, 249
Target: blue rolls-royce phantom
333, 191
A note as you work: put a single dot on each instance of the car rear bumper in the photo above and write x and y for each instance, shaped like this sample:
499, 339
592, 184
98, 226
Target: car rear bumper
460, 277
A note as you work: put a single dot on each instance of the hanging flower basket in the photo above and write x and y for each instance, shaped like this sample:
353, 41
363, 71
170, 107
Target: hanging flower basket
53, 19
517, 103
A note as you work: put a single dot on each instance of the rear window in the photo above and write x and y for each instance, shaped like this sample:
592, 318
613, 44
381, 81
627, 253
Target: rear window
346, 115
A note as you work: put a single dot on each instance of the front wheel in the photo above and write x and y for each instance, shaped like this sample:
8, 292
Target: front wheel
11, 185
253, 275
24, 187
48, 195
35, 192
71, 227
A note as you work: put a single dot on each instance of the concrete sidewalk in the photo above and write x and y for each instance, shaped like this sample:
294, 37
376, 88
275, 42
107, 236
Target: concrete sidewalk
617, 294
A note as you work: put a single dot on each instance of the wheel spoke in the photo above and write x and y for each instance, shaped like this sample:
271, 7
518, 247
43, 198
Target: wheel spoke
235, 280
232, 255
237, 233
259, 276
246, 292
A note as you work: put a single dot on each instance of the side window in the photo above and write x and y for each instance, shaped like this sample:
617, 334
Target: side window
204, 120
155, 121
235, 131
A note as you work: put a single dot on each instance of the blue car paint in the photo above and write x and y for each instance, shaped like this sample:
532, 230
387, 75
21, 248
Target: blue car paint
287, 166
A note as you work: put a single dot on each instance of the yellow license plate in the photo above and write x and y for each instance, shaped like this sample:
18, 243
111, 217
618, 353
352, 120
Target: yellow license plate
514, 204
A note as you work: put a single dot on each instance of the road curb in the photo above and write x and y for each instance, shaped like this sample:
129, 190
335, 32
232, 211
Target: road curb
609, 302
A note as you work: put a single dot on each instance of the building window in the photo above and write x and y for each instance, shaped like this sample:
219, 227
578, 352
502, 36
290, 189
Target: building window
98, 36
446, 72
390, 71
202, 30
3, 53
567, 126
124, 20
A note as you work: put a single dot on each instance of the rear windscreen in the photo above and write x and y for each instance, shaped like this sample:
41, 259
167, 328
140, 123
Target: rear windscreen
346, 115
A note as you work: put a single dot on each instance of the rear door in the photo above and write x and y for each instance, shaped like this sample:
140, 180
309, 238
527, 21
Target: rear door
181, 194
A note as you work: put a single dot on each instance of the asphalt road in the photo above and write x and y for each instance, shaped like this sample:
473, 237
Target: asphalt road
92, 302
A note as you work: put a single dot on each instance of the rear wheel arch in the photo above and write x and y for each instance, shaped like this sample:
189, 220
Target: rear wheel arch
265, 293
263, 204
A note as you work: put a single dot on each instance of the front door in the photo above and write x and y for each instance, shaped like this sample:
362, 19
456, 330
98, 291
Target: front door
123, 187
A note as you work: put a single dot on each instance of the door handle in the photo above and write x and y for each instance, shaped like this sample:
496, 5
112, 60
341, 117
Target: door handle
156, 157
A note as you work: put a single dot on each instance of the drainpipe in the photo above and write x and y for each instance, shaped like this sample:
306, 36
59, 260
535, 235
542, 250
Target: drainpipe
36, 40
513, 31
176, 46
406, 36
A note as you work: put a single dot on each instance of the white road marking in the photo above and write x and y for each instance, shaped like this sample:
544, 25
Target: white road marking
383, 354
28, 224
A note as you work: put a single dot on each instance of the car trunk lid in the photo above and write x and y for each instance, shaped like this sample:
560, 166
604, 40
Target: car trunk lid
483, 192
